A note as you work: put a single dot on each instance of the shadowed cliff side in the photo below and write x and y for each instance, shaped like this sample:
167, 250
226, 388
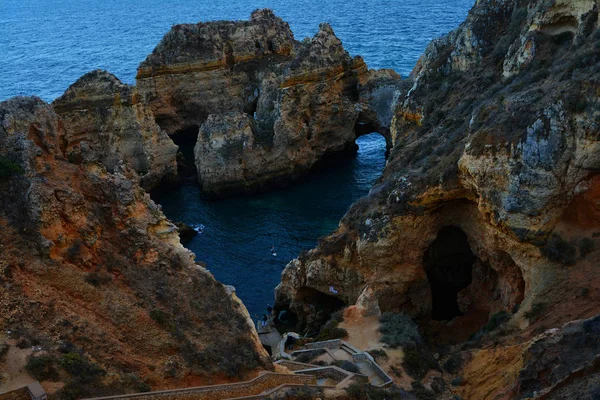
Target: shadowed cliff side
489, 201
105, 122
94, 278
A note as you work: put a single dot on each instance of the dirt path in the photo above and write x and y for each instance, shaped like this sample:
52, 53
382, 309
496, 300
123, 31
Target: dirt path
14, 374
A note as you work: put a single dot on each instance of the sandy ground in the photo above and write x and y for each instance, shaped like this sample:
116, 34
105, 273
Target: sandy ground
14, 375
363, 333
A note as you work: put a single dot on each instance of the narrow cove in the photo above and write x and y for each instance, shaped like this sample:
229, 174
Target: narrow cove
237, 234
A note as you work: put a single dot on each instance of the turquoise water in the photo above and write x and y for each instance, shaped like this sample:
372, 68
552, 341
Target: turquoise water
46, 45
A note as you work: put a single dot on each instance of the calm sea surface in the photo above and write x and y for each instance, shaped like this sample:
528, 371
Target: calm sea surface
45, 45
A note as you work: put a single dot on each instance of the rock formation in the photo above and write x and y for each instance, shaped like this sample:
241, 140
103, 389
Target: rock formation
489, 200
265, 105
106, 122
93, 275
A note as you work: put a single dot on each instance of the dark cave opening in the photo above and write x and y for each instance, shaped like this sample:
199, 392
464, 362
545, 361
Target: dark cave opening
322, 305
448, 264
186, 139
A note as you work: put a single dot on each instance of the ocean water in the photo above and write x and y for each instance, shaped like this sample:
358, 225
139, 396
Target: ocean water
237, 234
45, 45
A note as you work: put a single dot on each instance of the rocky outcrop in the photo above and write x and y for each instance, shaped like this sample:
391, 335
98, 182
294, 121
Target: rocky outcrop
93, 274
489, 200
264, 103
106, 122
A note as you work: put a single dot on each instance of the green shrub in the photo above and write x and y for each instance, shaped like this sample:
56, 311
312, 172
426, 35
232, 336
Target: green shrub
4, 347
42, 367
96, 279
330, 330
308, 356
419, 391
162, 318
347, 365
80, 367
417, 360
8, 169
458, 381
378, 354
536, 310
558, 250
496, 320
586, 246
398, 329
331, 334
361, 391
453, 364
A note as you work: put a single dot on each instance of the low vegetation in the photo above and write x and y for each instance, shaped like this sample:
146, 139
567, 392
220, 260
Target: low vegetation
378, 354
398, 330
586, 246
418, 360
42, 367
558, 250
8, 169
454, 363
331, 330
419, 391
97, 279
360, 391
347, 365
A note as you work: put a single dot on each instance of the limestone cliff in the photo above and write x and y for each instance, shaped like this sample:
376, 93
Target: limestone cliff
264, 103
106, 122
93, 276
489, 200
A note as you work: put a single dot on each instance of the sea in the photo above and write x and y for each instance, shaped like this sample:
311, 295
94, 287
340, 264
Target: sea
46, 45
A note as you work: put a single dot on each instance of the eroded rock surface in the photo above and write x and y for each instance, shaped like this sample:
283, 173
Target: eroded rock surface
502, 153
263, 102
93, 274
105, 122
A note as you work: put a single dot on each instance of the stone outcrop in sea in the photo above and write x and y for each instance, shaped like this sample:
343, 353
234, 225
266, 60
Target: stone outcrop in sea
265, 105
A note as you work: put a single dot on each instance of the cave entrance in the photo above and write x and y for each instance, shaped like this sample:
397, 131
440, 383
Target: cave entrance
448, 264
186, 139
322, 305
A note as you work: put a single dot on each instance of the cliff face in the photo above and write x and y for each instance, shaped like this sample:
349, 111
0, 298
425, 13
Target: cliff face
94, 277
106, 122
489, 200
265, 104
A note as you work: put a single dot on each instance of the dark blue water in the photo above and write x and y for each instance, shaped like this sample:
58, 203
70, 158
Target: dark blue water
238, 234
45, 45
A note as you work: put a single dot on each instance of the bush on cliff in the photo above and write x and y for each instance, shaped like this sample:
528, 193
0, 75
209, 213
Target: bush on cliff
42, 367
360, 391
558, 250
586, 246
8, 169
398, 329
418, 360
330, 330
347, 365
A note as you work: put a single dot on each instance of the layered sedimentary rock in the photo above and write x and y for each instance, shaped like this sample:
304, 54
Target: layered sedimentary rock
489, 200
263, 102
105, 122
93, 275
